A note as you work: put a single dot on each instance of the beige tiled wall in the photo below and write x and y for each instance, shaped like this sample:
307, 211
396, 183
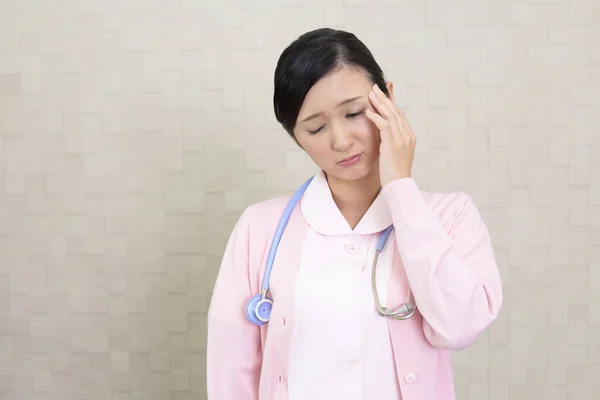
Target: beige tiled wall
134, 132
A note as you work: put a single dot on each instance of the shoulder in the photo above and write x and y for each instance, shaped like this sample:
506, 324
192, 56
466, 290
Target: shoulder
448, 201
260, 218
408, 189
256, 227
449, 206
456, 210
266, 210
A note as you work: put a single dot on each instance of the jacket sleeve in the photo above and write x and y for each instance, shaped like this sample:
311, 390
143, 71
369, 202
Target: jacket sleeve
449, 262
233, 352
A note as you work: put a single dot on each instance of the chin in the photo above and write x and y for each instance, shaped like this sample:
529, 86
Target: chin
356, 173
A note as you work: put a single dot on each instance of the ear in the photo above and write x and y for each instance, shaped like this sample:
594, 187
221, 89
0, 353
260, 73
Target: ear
390, 87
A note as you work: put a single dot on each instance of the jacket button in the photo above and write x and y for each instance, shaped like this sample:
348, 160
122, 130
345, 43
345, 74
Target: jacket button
410, 378
351, 248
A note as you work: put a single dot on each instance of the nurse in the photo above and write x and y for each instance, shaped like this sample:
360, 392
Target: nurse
327, 335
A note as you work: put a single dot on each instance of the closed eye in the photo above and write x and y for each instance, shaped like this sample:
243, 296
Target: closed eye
353, 115
316, 131
356, 114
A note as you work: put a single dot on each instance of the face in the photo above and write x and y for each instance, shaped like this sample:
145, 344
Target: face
333, 129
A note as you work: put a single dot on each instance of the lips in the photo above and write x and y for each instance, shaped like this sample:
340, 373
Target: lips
350, 160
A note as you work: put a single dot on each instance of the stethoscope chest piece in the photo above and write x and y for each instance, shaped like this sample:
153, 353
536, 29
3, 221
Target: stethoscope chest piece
258, 310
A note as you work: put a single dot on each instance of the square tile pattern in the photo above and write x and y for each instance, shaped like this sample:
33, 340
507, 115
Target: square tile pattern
133, 133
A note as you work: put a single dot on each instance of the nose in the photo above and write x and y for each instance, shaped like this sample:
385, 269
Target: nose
341, 141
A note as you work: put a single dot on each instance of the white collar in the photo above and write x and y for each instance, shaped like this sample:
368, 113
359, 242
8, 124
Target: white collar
323, 215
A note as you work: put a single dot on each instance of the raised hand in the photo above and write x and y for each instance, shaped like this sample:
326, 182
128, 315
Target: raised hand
398, 142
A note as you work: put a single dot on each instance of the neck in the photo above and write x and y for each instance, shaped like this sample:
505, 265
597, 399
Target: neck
354, 198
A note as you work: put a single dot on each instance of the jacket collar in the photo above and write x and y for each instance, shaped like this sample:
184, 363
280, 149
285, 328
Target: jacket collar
323, 215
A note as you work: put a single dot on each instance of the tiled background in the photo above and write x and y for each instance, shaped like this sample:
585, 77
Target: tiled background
134, 132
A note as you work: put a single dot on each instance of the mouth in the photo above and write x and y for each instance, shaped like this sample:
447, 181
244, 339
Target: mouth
350, 160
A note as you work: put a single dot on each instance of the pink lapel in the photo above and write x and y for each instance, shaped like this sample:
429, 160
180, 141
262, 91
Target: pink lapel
411, 351
283, 276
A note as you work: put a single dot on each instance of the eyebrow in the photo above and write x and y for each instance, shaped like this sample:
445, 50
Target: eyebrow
350, 100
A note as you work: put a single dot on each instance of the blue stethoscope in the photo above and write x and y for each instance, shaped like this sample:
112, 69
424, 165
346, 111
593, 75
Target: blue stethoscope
258, 308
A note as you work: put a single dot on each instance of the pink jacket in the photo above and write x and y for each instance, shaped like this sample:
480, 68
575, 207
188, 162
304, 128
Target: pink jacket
444, 263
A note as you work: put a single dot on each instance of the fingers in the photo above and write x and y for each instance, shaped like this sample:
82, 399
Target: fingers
396, 118
381, 123
388, 101
382, 103
404, 125
387, 109
377, 119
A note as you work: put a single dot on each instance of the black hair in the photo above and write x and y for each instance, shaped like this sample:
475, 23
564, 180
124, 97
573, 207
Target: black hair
309, 58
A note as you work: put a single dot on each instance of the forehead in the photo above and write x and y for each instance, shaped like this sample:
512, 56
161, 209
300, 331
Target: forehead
337, 86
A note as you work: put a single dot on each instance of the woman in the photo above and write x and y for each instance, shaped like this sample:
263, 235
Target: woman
329, 335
